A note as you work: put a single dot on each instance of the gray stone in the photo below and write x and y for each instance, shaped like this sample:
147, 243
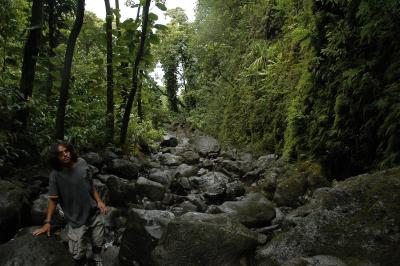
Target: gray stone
170, 159
206, 145
34, 251
13, 207
186, 170
162, 176
252, 211
39, 212
144, 229
204, 239
356, 221
169, 141
190, 157
121, 191
93, 158
123, 168
102, 189
147, 188
234, 189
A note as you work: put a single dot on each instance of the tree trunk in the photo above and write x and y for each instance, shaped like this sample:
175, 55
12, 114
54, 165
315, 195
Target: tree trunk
110, 84
128, 107
139, 97
52, 46
172, 86
31, 51
62, 103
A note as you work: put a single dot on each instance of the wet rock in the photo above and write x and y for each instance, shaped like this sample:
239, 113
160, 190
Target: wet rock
234, 189
190, 157
121, 191
290, 189
186, 170
212, 184
169, 141
34, 251
170, 159
14, 207
162, 176
252, 211
206, 145
93, 158
204, 239
123, 168
356, 221
144, 229
152, 190
319, 260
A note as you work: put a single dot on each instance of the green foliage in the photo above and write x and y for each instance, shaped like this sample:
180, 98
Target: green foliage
314, 80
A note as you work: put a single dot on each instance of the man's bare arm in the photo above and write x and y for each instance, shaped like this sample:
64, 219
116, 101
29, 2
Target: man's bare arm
51, 206
100, 203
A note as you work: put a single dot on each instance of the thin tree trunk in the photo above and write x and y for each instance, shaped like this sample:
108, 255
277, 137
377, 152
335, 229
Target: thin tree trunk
52, 46
110, 84
128, 107
117, 18
139, 97
31, 51
62, 103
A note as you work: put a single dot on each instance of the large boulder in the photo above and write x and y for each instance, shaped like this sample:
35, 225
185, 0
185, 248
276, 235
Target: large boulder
13, 207
144, 229
121, 191
252, 211
206, 145
93, 158
169, 141
186, 170
124, 168
152, 190
190, 157
162, 176
170, 159
197, 239
212, 184
34, 251
358, 220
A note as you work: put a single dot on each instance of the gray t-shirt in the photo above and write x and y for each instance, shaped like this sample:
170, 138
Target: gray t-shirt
74, 190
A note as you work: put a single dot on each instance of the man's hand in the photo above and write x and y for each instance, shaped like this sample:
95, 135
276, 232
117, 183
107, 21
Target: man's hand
45, 228
102, 207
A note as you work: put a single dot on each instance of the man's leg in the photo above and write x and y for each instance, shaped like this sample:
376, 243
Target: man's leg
77, 242
97, 237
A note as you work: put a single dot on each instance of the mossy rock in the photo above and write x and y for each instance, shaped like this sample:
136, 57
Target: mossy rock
357, 220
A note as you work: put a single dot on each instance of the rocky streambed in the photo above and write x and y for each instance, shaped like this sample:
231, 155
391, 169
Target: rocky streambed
189, 203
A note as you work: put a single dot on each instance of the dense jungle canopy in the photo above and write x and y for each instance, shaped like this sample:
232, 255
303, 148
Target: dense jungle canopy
308, 80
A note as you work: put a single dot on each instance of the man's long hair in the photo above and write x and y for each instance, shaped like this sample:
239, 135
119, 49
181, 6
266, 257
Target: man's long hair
53, 160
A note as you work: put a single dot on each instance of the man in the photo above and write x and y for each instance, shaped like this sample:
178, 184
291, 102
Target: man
70, 184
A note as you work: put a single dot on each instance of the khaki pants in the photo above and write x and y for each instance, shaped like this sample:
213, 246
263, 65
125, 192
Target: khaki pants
78, 238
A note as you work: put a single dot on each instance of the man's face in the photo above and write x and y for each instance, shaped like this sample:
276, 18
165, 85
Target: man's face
64, 155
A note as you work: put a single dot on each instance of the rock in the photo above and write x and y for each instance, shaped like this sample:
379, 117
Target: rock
187, 206
252, 211
123, 168
115, 218
147, 188
186, 170
121, 191
93, 158
14, 207
161, 176
34, 251
110, 256
319, 260
109, 155
234, 189
169, 141
190, 157
144, 229
290, 189
212, 184
266, 161
206, 145
103, 178
170, 159
357, 221
204, 239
